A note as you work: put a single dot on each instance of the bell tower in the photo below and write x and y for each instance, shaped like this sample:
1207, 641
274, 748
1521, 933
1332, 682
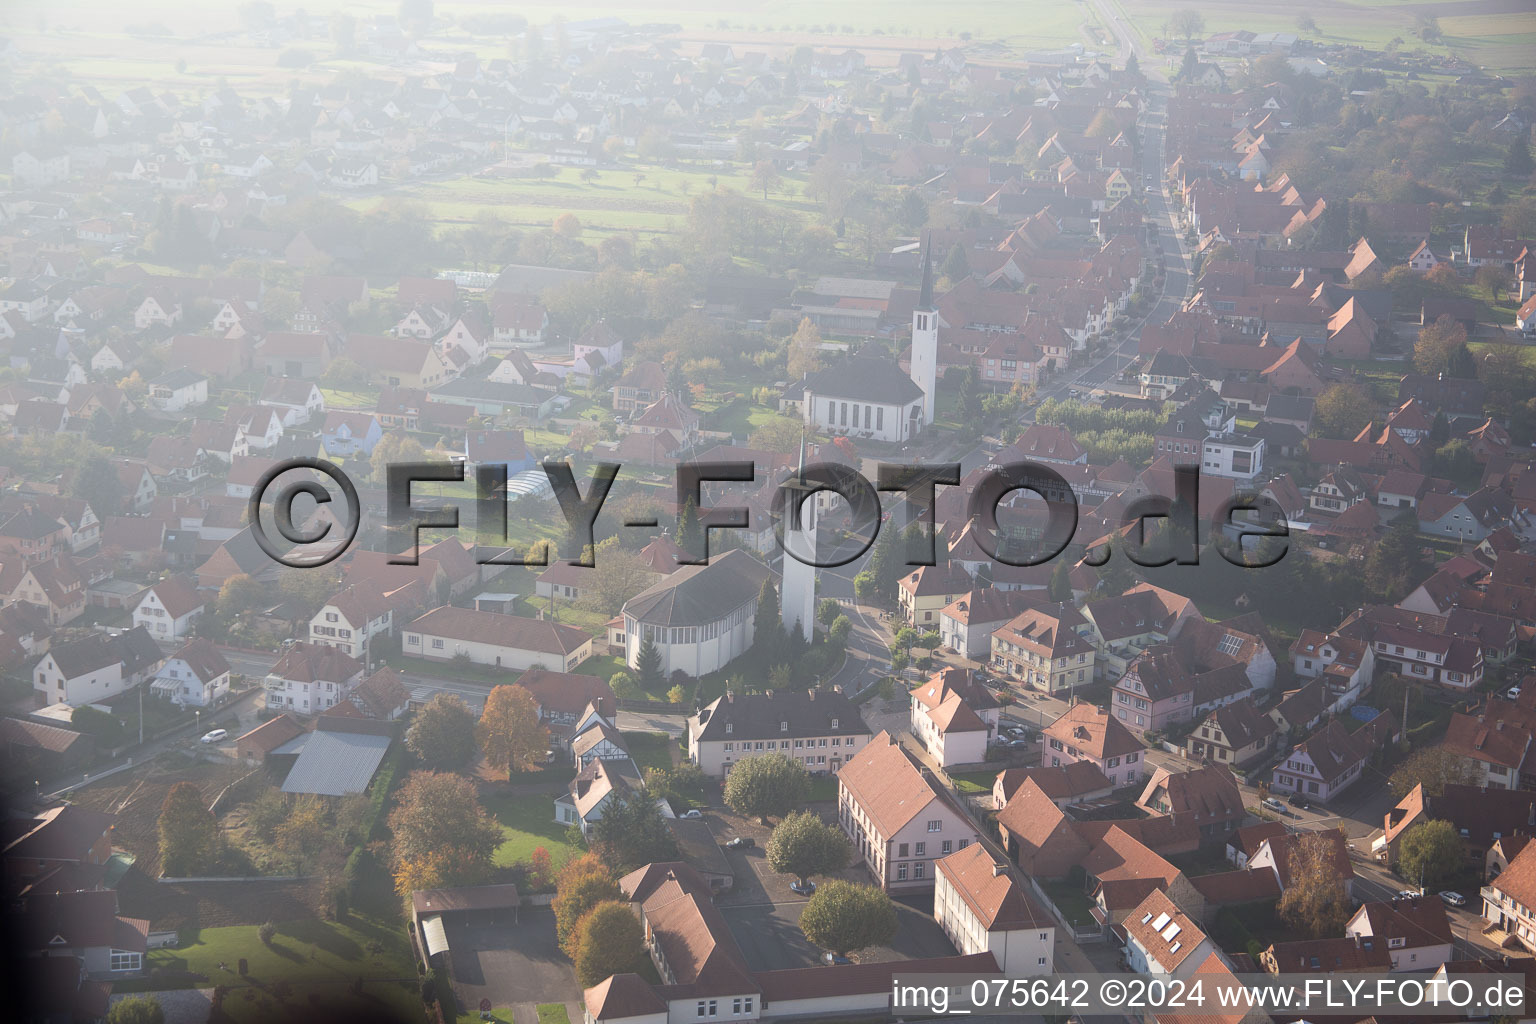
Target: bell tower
925, 341
797, 581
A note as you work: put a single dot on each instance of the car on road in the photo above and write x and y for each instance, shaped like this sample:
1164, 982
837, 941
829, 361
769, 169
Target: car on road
1513, 693
692, 812
742, 843
835, 959
1274, 804
1453, 899
805, 889
215, 736
1408, 894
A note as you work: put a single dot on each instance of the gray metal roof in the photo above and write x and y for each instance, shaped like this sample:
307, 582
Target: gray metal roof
336, 763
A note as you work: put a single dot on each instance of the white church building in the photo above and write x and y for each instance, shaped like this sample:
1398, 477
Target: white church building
868, 395
700, 617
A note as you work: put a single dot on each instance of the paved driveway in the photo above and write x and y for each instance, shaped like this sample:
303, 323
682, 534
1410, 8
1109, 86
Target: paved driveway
517, 965
771, 940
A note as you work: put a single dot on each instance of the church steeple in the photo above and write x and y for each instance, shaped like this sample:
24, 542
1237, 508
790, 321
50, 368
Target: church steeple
925, 296
925, 341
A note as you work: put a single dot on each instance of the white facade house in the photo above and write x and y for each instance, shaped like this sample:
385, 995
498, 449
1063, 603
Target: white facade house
700, 617
822, 729
982, 909
490, 638
1417, 932
95, 668
1236, 456
195, 676
178, 390
1160, 939
310, 678
899, 820
865, 395
168, 610
351, 619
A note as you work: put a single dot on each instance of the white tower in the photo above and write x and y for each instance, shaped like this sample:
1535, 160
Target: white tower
797, 584
925, 342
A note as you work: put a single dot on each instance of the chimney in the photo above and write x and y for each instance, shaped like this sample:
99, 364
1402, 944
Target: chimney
811, 694
997, 868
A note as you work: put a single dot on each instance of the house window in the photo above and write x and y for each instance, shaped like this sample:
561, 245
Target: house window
935, 825
413, 640
123, 960
437, 644
922, 849
901, 872
947, 846
919, 870
901, 849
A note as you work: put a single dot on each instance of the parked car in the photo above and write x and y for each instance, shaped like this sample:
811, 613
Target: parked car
1297, 800
1273, 804
1454, 899
1013, 730
1513, 693
215, 736
692, 812
806, 889
1408, 894
834, 958
742, 843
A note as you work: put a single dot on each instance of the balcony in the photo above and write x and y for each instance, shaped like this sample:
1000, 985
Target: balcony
1491, 895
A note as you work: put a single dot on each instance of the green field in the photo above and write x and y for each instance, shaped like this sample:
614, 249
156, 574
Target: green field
650, 749
310, 965
527, 823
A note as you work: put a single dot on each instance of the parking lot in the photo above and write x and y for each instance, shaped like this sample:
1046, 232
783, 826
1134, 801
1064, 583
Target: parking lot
515, 965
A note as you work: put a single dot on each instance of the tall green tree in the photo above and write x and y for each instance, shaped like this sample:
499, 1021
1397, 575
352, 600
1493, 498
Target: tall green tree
770, 645
632, 833
766, 785
188, 831
1431, 853
1396, 565
648, 666
442, 735
690, 533
1517, 161
582, 884
803, 845
844, 917
440, 811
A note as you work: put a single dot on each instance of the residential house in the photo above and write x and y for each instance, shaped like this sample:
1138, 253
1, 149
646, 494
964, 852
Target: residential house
195, 676
1086, 733
353, 617
1415, 930
1236, 734
350, 433
96, 667
1044, 648
954, 716
310, 678
981, 908
1162, 940
899, 818
169, 609
1206, 798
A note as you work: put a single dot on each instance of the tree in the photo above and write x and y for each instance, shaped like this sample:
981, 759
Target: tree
1433, 768
1305, 25
567, 225
767, 784
632, 833
509, 732
95, 481
956, 267
1189, 64
765, 176
648, 665
1431, 853
1517, 162
617, 575
780, 434
827, 611
304, 832
1132, 66
609, 941
1061, 581
1188, 23
439, 812
1396, 565
144, 1009
768, 639
189, 833
690, 534
1341, 411
804, 350
803, 845
584, 882
844, 917
393, 448
1494, 278
1316, 901
443, 733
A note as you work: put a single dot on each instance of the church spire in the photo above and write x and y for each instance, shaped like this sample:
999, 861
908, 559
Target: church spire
925, 297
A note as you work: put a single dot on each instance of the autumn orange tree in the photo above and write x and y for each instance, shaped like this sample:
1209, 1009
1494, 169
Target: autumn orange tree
584, 882
440, 833
1316, 901
510, 734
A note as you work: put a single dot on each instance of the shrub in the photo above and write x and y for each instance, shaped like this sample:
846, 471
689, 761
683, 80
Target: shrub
266, 933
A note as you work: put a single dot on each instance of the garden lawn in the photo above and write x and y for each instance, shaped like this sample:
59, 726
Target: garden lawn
527, 823
318, 960
973, 782
1071, 901
650, 749
553, 1013
823, 787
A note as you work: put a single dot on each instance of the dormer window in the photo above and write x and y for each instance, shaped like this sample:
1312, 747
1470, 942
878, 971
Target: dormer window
783, 727
834, 723
730, 727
